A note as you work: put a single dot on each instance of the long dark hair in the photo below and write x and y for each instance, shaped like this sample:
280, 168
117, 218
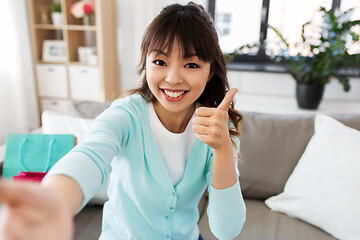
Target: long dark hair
194, 29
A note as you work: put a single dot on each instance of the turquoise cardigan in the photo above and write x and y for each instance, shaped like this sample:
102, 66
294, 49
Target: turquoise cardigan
143, 203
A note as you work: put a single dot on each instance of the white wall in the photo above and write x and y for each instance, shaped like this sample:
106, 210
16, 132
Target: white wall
275, 93
280, 84
132, 19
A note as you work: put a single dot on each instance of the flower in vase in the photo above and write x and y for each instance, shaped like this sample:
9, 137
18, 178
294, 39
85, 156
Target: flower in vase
82, 8
89, 7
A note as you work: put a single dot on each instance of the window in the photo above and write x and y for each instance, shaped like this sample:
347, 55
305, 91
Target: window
289, 16
237, 25
248, 21
223, 23
345, 5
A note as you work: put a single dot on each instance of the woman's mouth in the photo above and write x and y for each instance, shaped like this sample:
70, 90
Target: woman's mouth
174, 95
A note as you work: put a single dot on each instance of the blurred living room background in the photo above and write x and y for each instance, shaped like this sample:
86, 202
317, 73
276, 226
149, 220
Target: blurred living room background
47, 62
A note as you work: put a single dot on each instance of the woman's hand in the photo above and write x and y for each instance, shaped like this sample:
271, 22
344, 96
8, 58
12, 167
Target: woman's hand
32, 212
211, 124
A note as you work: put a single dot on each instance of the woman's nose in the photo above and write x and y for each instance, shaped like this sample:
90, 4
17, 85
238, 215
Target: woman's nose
174, 76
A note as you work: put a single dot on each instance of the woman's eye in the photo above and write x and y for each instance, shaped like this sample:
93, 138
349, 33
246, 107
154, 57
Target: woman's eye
192, 65
159, 62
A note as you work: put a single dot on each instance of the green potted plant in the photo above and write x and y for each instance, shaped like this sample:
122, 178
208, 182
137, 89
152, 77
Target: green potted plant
321, 55
56, 15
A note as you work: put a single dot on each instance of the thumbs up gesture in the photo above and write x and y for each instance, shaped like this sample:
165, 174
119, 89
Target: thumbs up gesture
211, 124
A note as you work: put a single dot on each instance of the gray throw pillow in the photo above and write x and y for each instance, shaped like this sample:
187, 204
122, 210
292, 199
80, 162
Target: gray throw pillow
88, 109
271, 146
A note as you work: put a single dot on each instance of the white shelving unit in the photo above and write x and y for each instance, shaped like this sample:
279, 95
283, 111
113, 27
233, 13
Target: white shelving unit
58, 83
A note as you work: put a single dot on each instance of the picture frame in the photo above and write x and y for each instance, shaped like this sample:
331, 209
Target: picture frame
54, 51
87, 55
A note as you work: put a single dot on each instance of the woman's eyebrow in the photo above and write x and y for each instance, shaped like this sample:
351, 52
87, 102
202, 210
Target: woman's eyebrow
191, 55
158, 51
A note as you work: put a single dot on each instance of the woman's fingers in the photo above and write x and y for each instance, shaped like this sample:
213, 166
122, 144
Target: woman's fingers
211, 124
205, 121
200, 129
10, 192
229, 96
11, 226
32, 212
205, 111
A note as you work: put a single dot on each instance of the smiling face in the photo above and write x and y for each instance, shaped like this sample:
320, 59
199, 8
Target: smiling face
176, 81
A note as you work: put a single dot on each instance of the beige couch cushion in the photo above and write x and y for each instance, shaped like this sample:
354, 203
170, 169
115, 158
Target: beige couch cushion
262, 223
271, 146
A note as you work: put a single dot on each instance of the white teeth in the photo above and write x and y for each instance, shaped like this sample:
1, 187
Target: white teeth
173, 94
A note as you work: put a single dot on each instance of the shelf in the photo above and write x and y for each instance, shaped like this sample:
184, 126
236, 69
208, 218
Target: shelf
47, 62
68, 63
79, 39
80, 28
48, 27
45, 34
64, 27
83, 64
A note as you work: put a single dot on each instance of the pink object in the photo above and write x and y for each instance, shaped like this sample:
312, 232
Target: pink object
77, 9
81, 8
30, 176
88, 7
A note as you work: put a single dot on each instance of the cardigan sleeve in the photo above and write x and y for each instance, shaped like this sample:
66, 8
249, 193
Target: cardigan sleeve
89, 163
226, 210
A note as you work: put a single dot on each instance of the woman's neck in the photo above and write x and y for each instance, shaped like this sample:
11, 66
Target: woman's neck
174, 122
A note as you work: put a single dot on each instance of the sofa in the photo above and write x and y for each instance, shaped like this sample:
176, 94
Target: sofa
271, 146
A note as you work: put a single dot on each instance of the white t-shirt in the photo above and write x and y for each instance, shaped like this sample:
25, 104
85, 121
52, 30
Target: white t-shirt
174, 148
